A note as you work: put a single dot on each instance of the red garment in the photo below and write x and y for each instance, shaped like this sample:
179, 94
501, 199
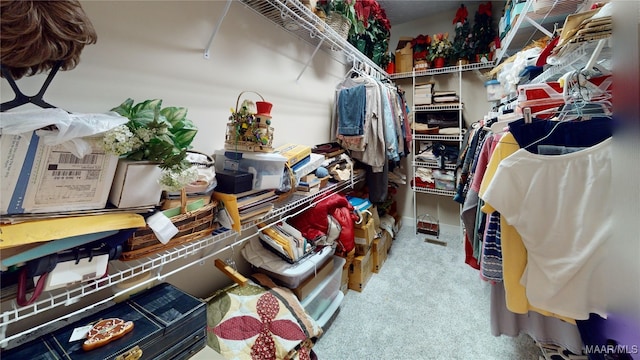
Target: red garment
468, 253
314, 223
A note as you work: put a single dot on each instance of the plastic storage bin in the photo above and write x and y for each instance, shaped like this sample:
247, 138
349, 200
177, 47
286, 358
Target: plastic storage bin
321, 298
494, 90
267, 169
282, 272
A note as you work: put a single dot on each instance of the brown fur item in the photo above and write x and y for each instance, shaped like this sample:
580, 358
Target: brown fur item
34, 35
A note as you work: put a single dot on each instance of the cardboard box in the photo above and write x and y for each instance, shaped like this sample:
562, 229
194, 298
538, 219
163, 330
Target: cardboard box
136, 184
308, 285
37, 178
344, 281
404, 55
364, 237
375, 217
379, 251
360, 272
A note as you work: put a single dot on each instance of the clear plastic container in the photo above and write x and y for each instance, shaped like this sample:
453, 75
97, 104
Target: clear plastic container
267, 168
321, 297
494, 90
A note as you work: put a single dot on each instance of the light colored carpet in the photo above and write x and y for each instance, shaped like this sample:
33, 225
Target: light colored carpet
425, 303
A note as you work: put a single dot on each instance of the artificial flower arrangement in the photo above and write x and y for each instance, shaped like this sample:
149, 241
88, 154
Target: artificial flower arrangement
246, 125
483, 31
372, 31
463, 41
440, 47
420, 45
153, 133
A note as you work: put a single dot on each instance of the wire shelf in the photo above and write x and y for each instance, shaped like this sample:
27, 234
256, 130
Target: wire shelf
434, 191
120, 272
523, 32
444, 70
433, 164
438, 107
295, 18
418, 137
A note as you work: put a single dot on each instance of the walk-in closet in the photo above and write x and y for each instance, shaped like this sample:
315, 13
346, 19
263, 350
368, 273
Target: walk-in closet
320, 179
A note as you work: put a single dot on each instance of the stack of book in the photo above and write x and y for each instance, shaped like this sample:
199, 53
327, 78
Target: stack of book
329, 150
238, 209
423, 94
440, 97
254, 204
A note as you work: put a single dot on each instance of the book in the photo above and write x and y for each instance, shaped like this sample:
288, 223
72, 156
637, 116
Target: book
446, 99
254, 196
294, 153
54, 229
252, 212
260, 202
329, 150
444, 93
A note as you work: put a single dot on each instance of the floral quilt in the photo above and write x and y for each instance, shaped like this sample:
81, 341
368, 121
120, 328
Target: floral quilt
260, 321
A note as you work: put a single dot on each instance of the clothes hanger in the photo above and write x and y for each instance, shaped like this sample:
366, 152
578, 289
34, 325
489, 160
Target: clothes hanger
22, 99
580, 111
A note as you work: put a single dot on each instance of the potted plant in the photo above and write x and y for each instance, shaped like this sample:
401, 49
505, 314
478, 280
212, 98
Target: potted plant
462, 49
156, 136
371, 31
420, 45
440, 49
483, 32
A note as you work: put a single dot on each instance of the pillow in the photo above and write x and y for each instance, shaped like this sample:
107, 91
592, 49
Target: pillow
260, 321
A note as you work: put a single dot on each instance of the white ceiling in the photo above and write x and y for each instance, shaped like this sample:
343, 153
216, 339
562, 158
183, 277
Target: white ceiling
402, 11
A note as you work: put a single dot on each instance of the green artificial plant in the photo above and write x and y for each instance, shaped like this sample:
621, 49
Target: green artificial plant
153, 133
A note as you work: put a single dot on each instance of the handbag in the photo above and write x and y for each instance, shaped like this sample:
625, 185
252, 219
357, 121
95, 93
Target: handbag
43, 266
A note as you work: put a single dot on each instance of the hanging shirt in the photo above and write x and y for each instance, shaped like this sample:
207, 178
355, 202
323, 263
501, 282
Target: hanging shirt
560, 206
368, 148
351, 106
514, 253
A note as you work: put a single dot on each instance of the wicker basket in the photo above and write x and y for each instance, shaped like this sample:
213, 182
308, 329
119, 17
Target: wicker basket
192, 225
339, 23
427, 224
234, 142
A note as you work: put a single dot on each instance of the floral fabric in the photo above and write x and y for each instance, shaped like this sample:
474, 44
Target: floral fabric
260, 322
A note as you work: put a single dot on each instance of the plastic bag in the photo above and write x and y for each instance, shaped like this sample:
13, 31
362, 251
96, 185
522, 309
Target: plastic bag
70, 128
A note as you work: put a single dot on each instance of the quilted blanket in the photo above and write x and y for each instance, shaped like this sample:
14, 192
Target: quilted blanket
260, 321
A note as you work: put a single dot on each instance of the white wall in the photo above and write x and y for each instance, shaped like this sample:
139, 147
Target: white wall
154, 49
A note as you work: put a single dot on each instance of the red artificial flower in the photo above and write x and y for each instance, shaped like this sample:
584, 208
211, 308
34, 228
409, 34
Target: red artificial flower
420, 55
461, 14
485, 9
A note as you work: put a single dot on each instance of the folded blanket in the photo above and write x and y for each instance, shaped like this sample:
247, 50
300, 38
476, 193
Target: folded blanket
260, 321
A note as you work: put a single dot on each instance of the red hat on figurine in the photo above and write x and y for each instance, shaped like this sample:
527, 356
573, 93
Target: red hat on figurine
263, 108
